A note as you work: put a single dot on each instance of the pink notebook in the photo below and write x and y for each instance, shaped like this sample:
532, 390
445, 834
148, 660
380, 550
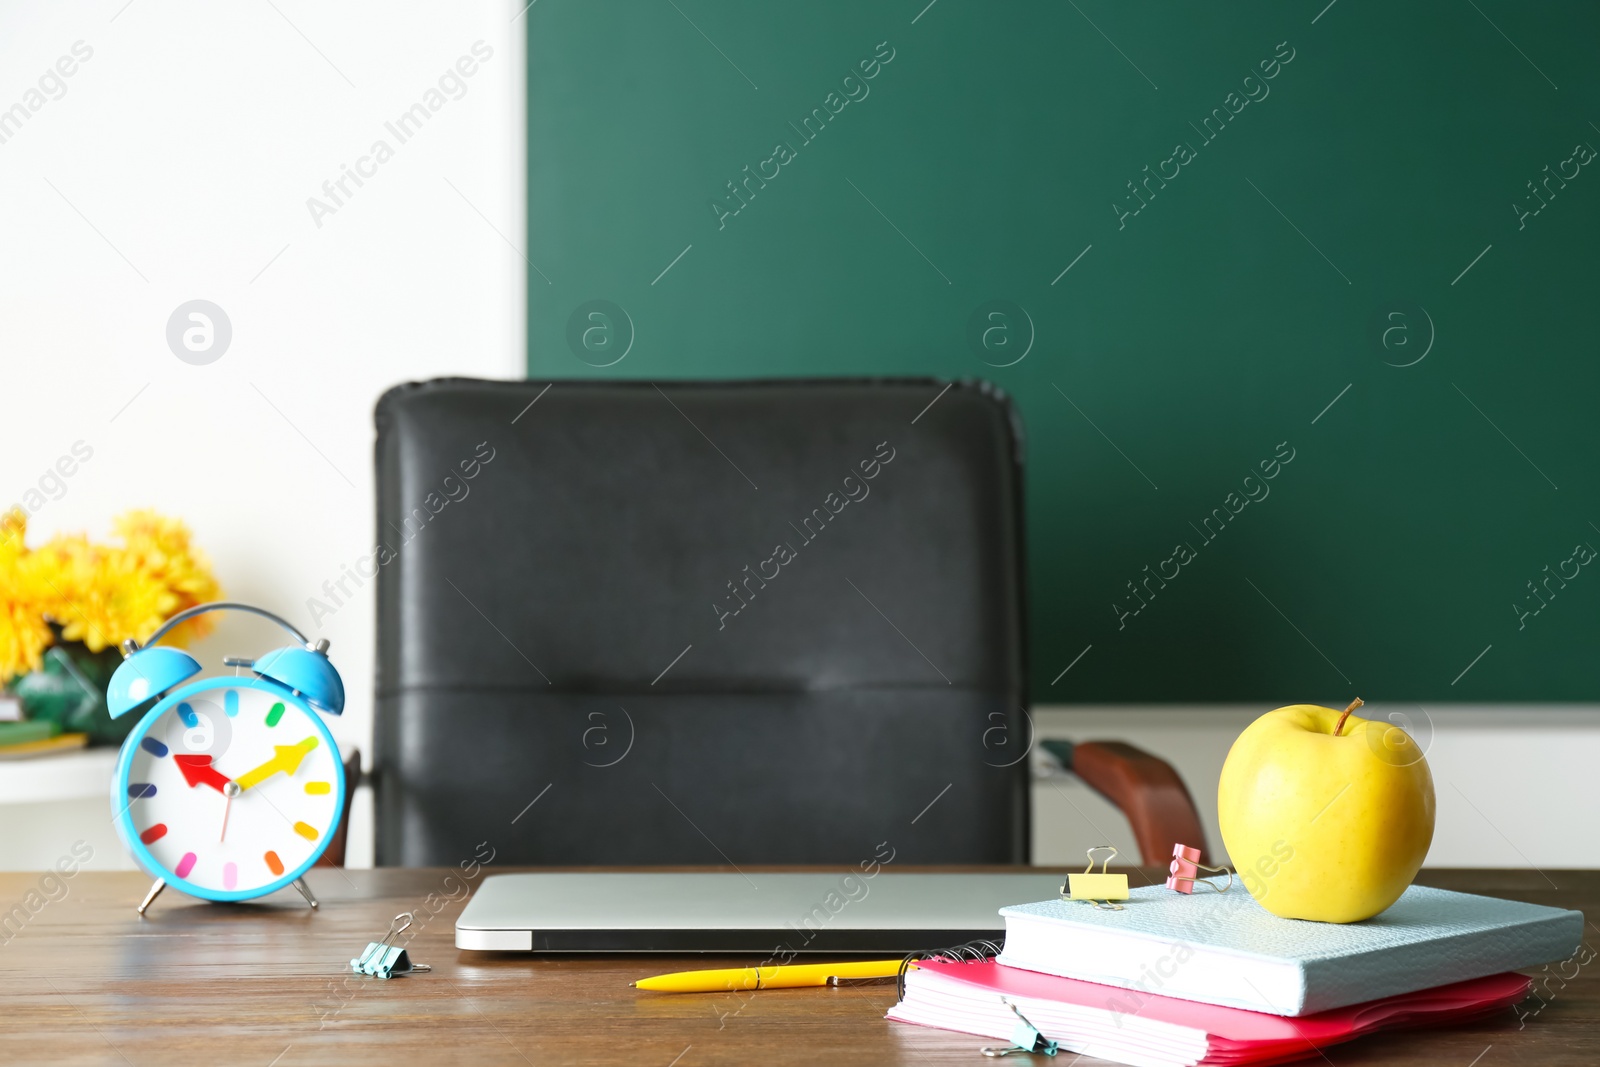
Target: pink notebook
1156, 1031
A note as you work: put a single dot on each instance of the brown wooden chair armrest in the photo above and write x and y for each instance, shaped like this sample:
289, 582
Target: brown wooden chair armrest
333, 855
1146, 789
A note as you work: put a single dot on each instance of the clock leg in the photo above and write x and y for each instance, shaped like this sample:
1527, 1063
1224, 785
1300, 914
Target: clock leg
155, 891
305, 891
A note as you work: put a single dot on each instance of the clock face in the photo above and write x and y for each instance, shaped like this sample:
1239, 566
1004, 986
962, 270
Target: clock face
233, 788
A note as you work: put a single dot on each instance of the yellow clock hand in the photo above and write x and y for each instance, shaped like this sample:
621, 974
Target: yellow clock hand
286, 758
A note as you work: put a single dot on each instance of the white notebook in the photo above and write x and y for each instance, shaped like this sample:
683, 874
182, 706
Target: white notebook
1224, 948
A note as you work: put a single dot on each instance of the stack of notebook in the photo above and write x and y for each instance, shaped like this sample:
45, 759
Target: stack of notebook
36, 737
1214, 978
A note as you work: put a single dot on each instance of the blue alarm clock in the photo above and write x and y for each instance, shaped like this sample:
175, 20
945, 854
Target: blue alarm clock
230, 787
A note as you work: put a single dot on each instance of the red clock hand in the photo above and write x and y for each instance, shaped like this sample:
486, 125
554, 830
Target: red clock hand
198, 769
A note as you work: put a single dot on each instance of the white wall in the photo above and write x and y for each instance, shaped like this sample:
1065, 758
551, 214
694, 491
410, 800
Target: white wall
1515, 785
176, 164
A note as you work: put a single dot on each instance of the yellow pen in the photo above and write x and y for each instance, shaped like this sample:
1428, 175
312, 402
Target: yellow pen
788, 977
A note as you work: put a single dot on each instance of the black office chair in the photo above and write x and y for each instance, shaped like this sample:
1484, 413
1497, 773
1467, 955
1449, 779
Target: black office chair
700, 623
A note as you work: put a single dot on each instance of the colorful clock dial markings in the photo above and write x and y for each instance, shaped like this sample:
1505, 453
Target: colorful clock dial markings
275, 714
230, 702
141, 790
186, 713
152, 746
318, 789
306, 830
185, 865
154, 833
274, 864
230, 875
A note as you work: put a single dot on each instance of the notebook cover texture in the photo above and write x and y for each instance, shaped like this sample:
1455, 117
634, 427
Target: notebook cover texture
1429, 937
1134, 1034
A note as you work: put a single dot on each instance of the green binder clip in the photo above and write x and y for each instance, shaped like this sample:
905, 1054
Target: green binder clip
380, 959
1025, 1038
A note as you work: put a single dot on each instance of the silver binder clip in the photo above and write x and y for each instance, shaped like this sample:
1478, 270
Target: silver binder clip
380, 959
1026, 1038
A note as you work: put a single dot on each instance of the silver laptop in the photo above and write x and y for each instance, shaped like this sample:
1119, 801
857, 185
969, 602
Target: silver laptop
891, 913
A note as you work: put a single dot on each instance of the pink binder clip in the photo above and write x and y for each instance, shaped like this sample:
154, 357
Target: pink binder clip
1185, 871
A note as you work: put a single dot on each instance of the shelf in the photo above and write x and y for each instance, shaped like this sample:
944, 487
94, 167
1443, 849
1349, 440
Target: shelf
79, 775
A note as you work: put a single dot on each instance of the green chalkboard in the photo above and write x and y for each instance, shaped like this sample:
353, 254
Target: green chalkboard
1351, 245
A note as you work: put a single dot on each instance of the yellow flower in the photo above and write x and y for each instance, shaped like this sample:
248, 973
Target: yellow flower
60, 571
24, 634
98, 594
152, 536
103, 595
164, 549
13, 531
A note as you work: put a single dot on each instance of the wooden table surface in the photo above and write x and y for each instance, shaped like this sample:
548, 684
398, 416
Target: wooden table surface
85, 980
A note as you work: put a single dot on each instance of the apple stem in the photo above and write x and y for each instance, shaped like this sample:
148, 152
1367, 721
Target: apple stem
1354, 704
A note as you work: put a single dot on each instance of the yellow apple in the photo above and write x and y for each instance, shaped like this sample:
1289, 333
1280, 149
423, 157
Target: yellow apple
1326, 816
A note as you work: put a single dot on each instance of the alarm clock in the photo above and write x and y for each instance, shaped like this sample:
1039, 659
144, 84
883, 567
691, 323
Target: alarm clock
230, 787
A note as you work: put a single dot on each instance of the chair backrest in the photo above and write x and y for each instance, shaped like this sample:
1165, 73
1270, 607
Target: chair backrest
700, 623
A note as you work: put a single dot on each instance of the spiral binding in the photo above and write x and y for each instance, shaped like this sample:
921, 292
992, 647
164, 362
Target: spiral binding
971, 952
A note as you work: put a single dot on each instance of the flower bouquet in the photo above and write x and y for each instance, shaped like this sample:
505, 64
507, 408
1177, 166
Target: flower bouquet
67, 606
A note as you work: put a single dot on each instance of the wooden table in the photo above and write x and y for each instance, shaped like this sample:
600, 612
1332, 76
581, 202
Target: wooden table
86, 981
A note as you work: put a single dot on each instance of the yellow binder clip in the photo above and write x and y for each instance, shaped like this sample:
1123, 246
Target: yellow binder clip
1097, 888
